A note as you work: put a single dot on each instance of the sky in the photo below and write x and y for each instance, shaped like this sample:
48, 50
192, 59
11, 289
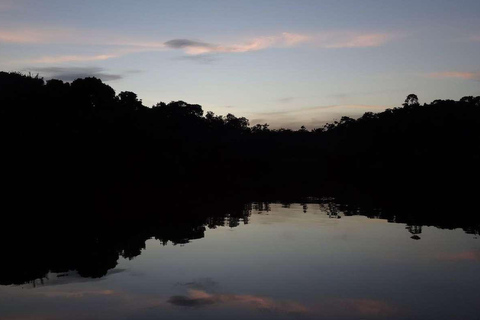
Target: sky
285, 62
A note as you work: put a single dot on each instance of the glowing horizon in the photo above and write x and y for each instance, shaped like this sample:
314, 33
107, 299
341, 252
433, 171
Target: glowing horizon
255, 60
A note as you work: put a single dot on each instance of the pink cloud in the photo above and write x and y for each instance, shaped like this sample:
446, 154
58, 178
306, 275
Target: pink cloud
73, 58
34, 36
338, 40
121, 46
455, 74
327, 40
193, 47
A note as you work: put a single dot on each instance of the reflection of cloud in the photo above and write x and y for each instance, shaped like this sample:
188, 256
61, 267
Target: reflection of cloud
70, 74
458, 75
473, 255
199, 298
325, 308
72, 302
200, 284
367, 307
54, 279
77, 294
196, 299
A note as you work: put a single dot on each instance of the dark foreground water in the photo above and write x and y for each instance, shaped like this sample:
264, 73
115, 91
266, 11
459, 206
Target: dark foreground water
298, 261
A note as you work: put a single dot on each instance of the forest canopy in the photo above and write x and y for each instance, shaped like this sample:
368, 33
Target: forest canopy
82, 136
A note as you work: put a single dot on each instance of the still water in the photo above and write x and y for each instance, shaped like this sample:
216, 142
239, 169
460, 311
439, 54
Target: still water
279, 261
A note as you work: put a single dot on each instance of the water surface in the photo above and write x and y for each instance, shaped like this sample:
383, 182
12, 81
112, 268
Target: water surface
298, 261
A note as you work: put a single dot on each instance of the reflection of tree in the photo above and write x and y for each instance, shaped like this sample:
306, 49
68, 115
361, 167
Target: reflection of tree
286, 205
261, 207
133, 246
415, 230
93, 249
330, 208
304, 207
475, 230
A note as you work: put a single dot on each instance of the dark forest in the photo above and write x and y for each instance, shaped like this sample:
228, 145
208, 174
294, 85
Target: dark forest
81, 137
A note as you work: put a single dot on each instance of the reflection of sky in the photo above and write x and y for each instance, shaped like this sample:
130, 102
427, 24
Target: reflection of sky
284, 264
279, 61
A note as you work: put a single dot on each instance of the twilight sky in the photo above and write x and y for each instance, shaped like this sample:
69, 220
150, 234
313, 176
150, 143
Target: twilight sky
285, 62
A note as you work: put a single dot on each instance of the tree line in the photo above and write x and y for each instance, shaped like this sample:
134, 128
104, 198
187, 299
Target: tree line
79, 139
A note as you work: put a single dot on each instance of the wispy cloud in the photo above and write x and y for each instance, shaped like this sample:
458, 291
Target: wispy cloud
116, 51
327, 40
194, 47
73, 58
107, 45
67, 36
454, 74
337, 40
201, 58
34, 36
113, 46
72, 73
188, 44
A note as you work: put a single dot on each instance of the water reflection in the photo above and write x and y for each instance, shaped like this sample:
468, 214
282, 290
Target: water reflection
256, 260
91, 250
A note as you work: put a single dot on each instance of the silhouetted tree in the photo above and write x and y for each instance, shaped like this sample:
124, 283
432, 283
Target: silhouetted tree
411, 100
